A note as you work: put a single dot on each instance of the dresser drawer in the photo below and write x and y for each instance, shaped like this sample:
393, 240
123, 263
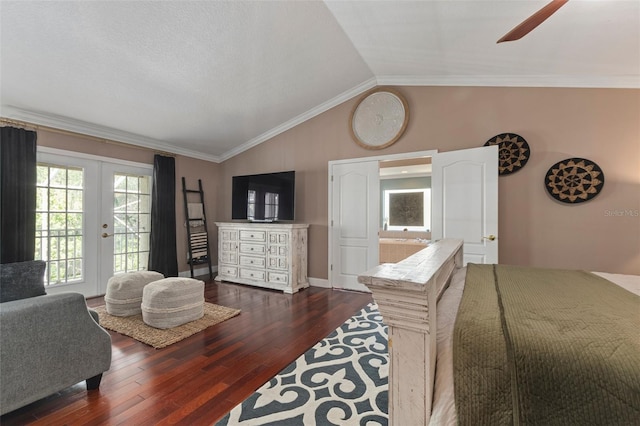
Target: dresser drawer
229, 246
278, 263
226, 235
278, 237
229, 257
278, 250
252, 274
259, 236
252, 248
276, 277
228, 271
256, 262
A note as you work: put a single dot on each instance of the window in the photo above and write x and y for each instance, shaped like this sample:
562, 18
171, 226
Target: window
131, 222
59, 222
408, 209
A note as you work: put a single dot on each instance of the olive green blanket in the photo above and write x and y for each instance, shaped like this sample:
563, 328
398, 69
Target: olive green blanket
546, 347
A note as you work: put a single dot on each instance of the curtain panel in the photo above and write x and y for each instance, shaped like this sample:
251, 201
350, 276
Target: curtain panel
162, 242
17, 194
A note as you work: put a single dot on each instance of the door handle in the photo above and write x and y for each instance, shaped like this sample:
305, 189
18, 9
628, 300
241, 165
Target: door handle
490, 237
105, 235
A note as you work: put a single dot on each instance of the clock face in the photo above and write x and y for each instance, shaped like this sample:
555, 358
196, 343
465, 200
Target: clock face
379, 119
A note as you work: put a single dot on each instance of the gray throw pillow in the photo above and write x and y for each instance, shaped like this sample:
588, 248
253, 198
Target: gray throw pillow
21, 280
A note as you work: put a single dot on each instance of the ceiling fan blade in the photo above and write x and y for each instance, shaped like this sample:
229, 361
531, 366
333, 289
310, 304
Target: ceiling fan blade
533, 21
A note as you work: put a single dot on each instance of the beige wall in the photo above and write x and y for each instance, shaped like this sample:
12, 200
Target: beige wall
602, 125
192, 169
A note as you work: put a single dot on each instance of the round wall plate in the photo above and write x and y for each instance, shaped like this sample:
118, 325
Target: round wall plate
574, 180
379, 118
513, 152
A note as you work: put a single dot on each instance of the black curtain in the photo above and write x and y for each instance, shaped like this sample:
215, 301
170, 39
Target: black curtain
162, 245
17, 194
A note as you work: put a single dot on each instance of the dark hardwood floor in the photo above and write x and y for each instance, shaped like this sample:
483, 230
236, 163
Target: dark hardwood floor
198, 380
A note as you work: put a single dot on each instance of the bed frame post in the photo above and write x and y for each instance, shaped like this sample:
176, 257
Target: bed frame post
406, 294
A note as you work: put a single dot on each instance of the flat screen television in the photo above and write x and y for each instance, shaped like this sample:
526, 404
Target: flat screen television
267, 197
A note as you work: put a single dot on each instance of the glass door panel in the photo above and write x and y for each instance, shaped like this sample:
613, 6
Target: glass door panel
66, 211
126, 219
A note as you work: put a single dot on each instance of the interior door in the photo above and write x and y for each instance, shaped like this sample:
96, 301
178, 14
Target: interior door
354, 222
465, 201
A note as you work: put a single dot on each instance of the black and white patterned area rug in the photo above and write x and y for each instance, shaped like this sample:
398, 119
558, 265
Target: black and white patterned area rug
342, 380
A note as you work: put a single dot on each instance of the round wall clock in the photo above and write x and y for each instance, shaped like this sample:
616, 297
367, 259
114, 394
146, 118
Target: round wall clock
574, 180
379, 119
513, 152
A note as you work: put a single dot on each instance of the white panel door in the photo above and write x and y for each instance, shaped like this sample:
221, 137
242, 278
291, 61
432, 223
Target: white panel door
354, 222
465, 201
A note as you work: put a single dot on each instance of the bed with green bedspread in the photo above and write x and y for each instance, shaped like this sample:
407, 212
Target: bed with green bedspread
546, 347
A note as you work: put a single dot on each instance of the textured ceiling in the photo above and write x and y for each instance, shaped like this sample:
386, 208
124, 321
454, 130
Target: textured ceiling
211, 79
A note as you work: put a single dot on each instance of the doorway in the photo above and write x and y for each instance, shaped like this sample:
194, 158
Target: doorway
464, 205
92, 219
355, 217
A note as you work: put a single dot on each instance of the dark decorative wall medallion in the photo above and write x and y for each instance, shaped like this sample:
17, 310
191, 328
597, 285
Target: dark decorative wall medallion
514, 152
574, 180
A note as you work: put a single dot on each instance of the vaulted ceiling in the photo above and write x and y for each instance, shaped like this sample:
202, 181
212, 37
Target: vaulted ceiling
210, 79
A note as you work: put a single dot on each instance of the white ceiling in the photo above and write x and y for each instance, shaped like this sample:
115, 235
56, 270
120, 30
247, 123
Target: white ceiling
210, 79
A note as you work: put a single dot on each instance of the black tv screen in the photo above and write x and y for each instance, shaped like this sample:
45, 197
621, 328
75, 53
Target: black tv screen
267, 197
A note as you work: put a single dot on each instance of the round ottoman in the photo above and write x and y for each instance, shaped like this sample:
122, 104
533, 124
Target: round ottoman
171, 302
124, 292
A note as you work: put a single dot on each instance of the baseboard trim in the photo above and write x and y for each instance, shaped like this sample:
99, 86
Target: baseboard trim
319, 282
199, 271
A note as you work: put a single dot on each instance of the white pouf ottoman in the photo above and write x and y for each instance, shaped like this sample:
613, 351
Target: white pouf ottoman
171, 302
124, 292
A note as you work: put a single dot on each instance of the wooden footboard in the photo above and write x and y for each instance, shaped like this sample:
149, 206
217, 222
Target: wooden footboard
406, 294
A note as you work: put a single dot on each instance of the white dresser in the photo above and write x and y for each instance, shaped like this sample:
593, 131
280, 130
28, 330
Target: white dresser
270, 255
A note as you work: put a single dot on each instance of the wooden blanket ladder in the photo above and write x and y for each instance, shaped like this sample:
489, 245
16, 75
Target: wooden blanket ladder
196, 223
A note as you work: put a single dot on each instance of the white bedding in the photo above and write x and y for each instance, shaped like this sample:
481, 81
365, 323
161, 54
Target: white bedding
443, 412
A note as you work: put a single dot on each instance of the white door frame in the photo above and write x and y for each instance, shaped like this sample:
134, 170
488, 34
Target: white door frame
108, 168
391, 157
94, 284
88, 285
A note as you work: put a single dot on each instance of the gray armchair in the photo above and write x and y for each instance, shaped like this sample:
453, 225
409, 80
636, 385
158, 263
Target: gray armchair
48, 343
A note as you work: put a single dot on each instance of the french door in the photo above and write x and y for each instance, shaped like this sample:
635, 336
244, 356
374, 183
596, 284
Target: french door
465, 199
464, 205
92, 220
125, 220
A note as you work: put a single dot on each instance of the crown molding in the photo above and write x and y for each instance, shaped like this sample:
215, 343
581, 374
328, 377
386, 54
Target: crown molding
344, 96
568, 81
103, 132
97, 131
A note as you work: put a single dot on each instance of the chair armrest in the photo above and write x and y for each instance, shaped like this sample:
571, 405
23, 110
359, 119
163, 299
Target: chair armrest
48, 343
